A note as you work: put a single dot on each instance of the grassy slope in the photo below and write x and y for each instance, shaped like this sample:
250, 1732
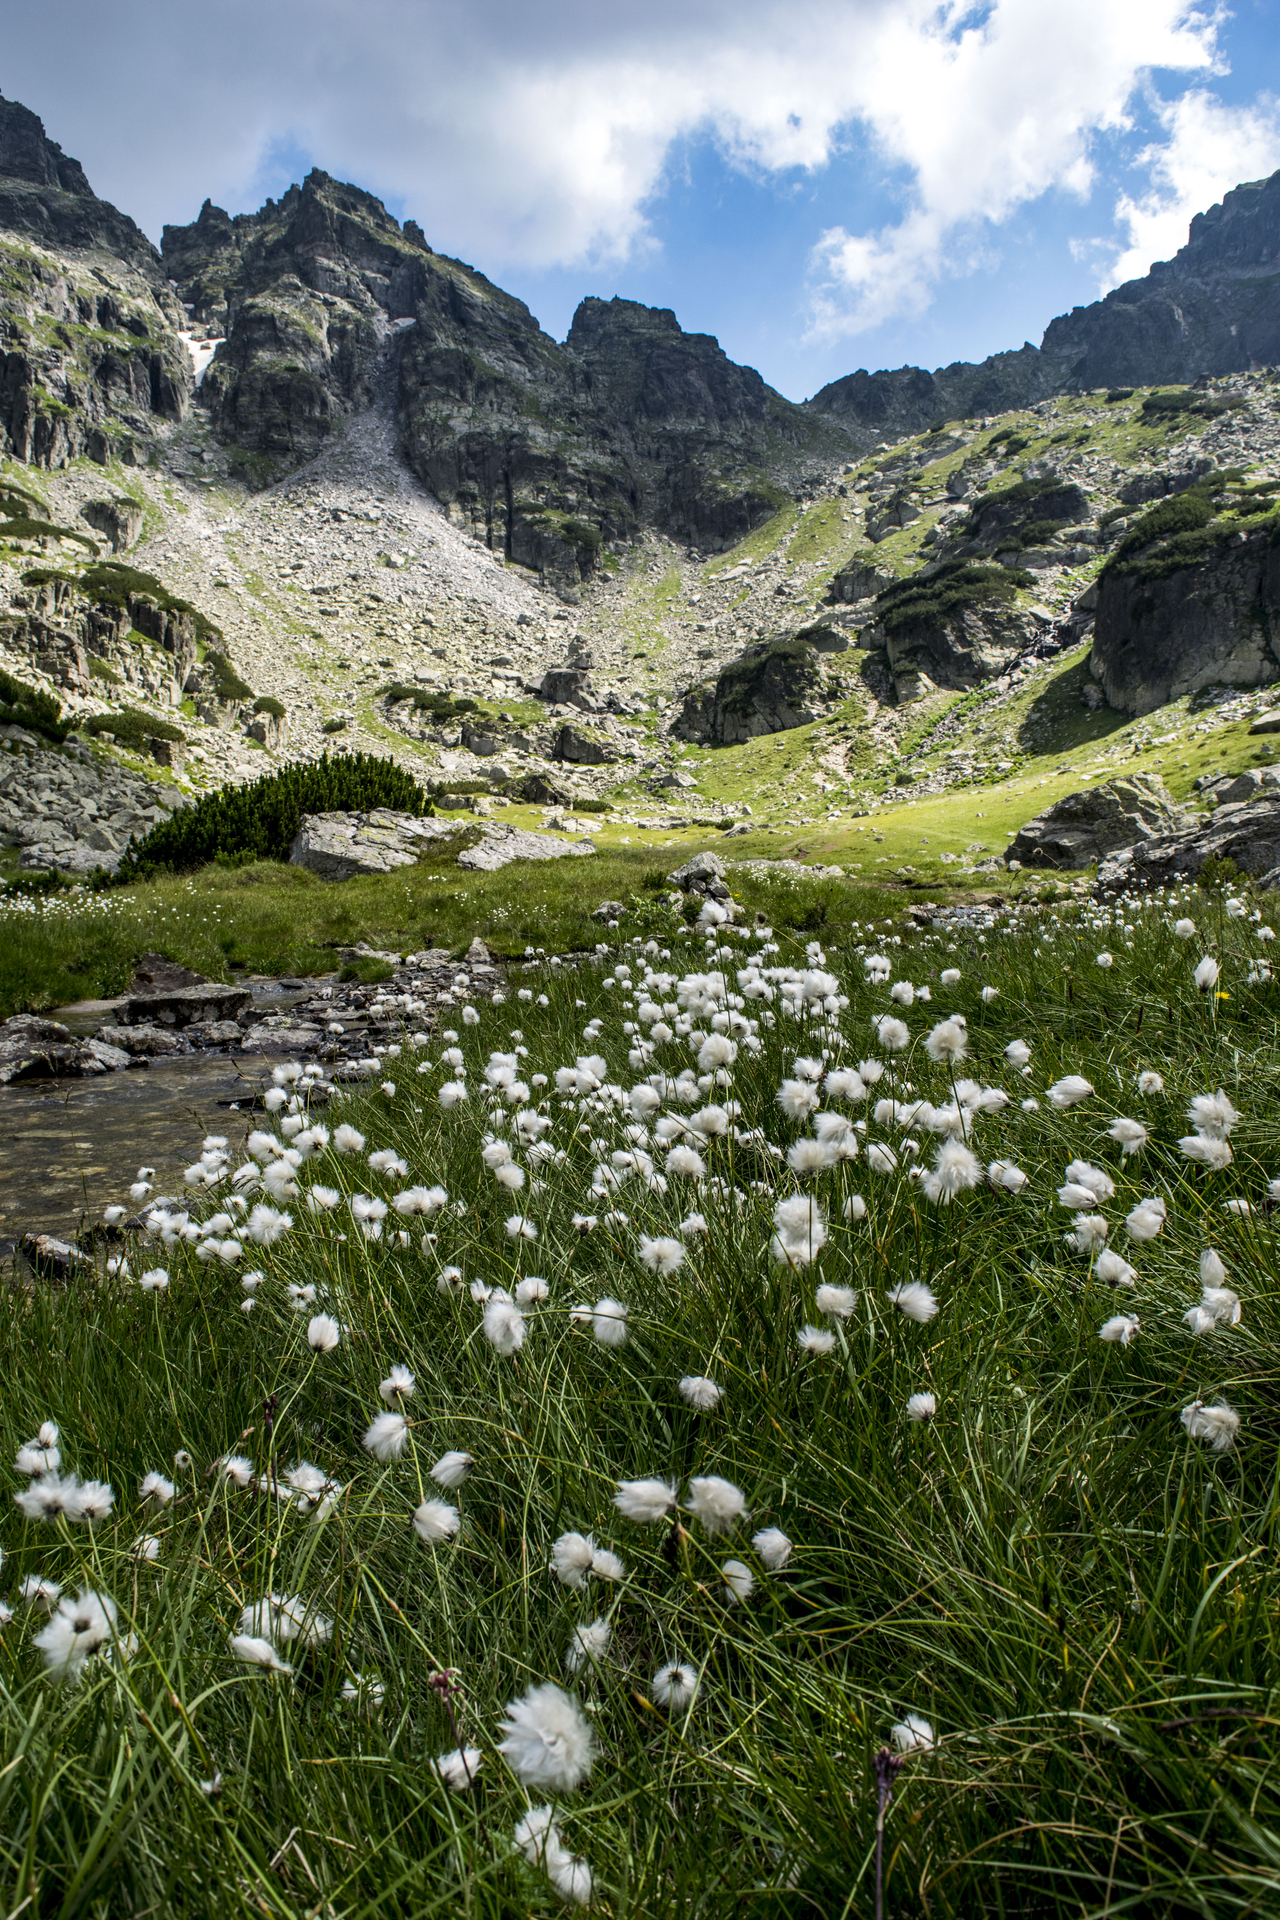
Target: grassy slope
1081, 1600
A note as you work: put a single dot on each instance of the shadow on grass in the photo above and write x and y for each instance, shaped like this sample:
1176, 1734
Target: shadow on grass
1058, 720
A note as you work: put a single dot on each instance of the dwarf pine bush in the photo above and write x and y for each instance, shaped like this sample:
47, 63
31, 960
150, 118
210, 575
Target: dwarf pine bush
261, 820
566, 1465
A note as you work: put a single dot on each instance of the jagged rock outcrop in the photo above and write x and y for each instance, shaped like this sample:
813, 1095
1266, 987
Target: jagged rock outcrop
36, 1049
67, 810
1084, 827
89, 347
45, 196
119, 638
1247, 833
956, 649
120, 520
1211, 309
304, 291
545, 451
1199, 609
768, 688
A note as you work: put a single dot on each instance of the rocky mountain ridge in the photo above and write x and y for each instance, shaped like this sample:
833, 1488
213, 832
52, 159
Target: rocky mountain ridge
1213, 309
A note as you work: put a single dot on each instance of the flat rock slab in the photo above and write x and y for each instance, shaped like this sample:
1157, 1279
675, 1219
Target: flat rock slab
36, 1049
155, 974
1084, 827
1248, 833
185, 1006
290, 1036
339, 846
145, 1042
52, 1259
500, 845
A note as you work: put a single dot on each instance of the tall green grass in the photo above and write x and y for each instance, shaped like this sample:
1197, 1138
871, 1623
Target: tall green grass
1082, 1601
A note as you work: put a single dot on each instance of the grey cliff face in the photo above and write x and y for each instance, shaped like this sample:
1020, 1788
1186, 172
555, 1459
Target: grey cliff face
89, 353
544, 451
45, 196
1164, 630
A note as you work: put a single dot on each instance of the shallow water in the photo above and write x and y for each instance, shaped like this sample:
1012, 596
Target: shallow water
70, 1148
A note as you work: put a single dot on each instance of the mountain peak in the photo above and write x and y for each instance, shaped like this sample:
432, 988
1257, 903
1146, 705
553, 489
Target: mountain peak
46, 196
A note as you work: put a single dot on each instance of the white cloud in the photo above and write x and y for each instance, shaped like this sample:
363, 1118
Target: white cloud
537, 133
1210, 148
995, 115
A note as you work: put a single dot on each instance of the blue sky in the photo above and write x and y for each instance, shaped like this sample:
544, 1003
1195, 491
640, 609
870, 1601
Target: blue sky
866, 183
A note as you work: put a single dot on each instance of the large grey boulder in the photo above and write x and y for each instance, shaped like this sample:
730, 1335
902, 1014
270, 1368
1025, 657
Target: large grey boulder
1086, 826
184, 1006
338, 846
566, 687
500, 845
1247, 832
36, 1049
1198, 611
582, 748
701, 874
768, 688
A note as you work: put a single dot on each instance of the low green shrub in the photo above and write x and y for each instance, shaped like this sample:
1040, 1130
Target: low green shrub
228, 687
109, 583
266, 704
32, 708
263, 817
961, 584
133, 728
103, 670
24, 528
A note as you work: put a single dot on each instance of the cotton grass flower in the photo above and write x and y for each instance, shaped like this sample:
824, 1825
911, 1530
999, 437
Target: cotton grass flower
1004, 1174
815, 1341
1069, 1091
914, 1299
1121, 1328
800, 1230
703, 1395
662, 1255
504, 1323
716, 1503
452, 1468
323, 1333
674, 1687
739, 1581
1147, 1218
1206, 974
548, 1743
588, 1645
1088, 1234
644, 1501
1213, 1115
609, 1322
386, 1436
1112, 1270
1017, 1053
773, 1547
1130, 1134
435, 1521
458, 1769
912, 1734
76, 1631
948, 1041
157, 1489
1206, 1150
955, 1170
257, 1652
921, 1406
893, 1034
398, 1385
1218, 1424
